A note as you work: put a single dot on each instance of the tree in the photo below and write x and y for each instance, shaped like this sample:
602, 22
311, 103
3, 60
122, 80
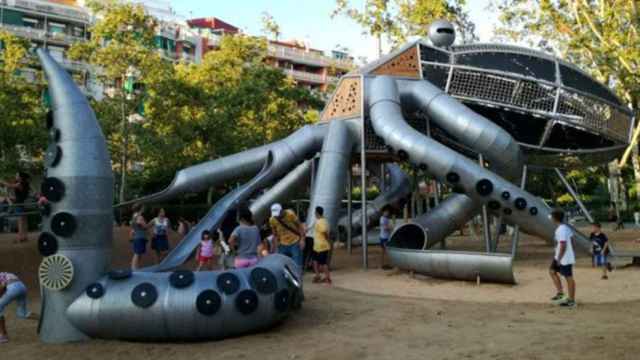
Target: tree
22, 130
400, 19
270, 26
122, 51
601, 36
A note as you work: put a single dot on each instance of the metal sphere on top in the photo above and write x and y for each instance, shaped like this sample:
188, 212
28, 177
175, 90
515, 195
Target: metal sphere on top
442, 33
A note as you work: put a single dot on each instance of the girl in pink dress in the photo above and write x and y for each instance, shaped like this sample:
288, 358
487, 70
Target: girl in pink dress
205, 250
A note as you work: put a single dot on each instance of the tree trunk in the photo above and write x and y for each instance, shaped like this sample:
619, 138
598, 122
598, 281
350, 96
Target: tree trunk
635, 160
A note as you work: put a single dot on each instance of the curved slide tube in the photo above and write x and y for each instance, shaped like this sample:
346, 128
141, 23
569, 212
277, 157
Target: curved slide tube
188, 306
281, 192
78, 230
80, 302
472, 130
212, 220
288, 152
446, 165
399, 187
329, 186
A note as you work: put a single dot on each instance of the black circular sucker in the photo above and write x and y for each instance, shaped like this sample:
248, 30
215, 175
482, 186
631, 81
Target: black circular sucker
49, 119
520, 203
95, 291
119, 274
282, 300
63, 224
263, 281
53, 189
208, 302
228, 283
402, 155
247, 302
52, 156
54, 134
144, 295
507, 211
453, 177
484, 187
533, 211
423, 167
181, 279
494, 205
390, 149
47, 244
506, 195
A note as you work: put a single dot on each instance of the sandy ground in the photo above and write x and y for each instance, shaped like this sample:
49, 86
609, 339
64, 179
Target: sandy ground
386, 314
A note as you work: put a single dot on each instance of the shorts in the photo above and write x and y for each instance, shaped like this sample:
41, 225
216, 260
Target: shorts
240, 262
18, 210
139, 246
321, 257
18, 292
383, 242
160, 243
204, 259
601, 259
564, 270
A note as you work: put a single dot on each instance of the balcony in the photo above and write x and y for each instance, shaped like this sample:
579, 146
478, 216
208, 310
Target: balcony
41, 34
305, 76
307, 57
48, 9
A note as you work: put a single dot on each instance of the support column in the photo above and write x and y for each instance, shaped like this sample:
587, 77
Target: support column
485, 217
516, 230
574, 195
350, 210
363, 198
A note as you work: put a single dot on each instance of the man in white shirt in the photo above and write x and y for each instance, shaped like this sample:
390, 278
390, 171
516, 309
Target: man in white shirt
563, 261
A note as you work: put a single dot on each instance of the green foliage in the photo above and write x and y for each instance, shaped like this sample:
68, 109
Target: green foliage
22, 131
270, 26
399, 19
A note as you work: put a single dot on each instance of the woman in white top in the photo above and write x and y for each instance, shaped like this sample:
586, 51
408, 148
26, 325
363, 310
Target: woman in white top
11, 288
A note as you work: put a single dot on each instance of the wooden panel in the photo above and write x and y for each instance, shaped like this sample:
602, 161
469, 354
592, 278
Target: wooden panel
406, 64
346, 101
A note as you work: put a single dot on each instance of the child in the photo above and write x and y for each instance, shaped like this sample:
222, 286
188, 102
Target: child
11, 288
205, 251
386, 227
321, 248
600, 248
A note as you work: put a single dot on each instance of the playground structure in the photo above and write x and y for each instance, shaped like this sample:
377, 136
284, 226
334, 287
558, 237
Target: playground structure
473, 117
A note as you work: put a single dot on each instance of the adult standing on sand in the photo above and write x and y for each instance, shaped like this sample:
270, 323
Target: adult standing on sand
20, 187
139, 228
288, 233
160, 240
563, 261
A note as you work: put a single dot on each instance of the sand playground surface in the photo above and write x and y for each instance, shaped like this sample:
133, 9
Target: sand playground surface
377, 314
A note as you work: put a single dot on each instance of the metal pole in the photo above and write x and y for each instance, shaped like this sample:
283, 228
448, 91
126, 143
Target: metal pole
574, 195
383, 180
350, 211
363, 210
485, 217
516, 229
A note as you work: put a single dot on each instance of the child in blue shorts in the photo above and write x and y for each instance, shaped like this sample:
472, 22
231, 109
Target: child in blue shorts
600, 248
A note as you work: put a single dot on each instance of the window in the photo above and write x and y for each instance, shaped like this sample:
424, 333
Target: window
57, 28
78, 31
579, 81
31, 22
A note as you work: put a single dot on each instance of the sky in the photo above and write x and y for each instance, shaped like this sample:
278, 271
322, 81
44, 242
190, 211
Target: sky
309, 20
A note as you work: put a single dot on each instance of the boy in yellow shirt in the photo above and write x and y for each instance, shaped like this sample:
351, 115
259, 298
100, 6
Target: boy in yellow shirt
321, 247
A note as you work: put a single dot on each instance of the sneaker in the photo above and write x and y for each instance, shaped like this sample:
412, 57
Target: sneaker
604, 277
4, 339
558, 297
568, 304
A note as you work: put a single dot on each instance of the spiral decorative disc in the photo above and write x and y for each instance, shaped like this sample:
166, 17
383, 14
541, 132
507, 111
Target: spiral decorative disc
56, 272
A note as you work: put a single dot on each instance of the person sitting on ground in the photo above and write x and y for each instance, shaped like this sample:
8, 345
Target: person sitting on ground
321, 247
386, 227
246, 239
20, 187
288, 233
160, 241
563, 261
600, 248
11, 288
205, 250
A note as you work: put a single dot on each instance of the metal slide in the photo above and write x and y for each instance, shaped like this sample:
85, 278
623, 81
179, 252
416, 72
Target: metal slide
212, 220
479, 184
399, 187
